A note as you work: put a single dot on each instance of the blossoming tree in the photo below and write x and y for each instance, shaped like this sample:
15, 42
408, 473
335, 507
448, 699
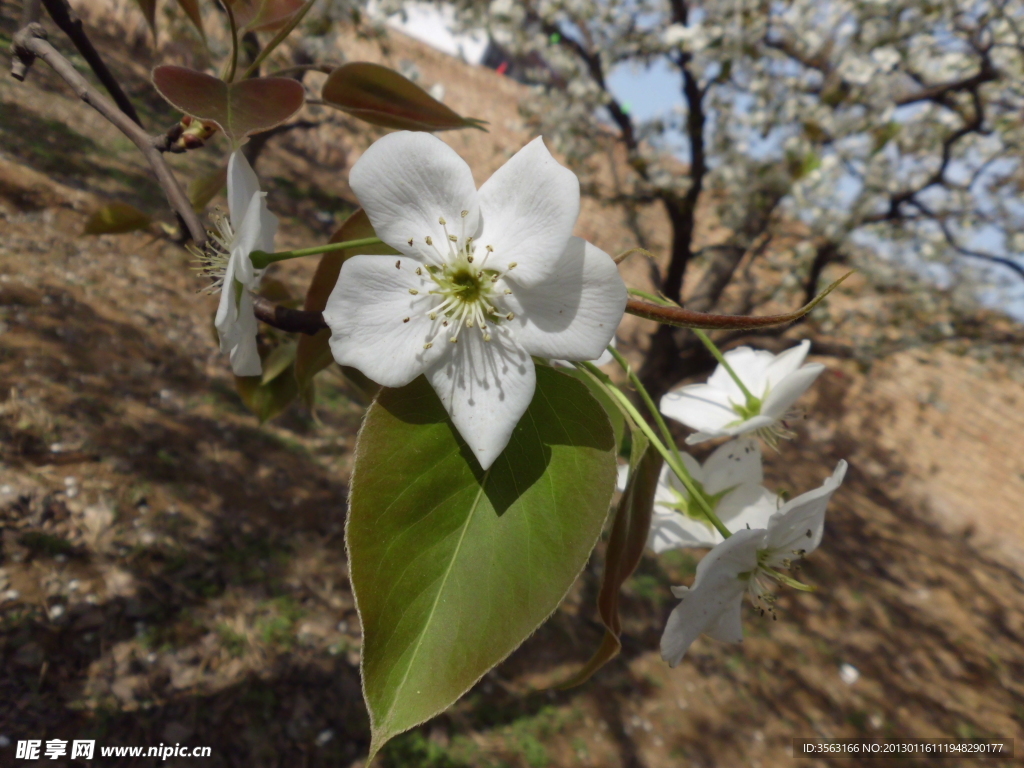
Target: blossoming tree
484, 472
844, 125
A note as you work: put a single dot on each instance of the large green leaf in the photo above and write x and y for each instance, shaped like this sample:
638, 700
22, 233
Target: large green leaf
453, 567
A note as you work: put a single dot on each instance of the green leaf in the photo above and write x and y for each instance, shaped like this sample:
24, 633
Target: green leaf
625, 548
268, 395
203, 189
239, 109
314, 352
611, 408
116, 219
452, 567
380, 96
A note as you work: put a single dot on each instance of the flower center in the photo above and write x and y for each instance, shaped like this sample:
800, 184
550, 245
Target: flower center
468, 290
213, 259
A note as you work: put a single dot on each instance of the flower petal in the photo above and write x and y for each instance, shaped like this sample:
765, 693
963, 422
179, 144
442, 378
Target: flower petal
236, 326
750, 365
787, 362
367, 313
249, 236
485, 386
787, 391
242, 185
749, 506
700, 406
799, 524
673, 530
529, 208
405, 181
574, 313
718, 588
735, 463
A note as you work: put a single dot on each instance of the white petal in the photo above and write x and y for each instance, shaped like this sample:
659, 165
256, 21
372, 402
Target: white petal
786, 392
242, 185
728, 627
485, 386
405, 181
737, 428
718, 588
574, 313
673, 530
700, 406
245, 357
749, 506
734, 463
801, 521
529, 208
366, 312
750, 365
786, 363
248, 237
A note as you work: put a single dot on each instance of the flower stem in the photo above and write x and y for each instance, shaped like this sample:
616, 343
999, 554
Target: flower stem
262, 259
278, 39
672, 459
707, 342
752, 401
229, 76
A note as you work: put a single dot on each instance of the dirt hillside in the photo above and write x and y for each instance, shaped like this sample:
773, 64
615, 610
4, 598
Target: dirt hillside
171, 572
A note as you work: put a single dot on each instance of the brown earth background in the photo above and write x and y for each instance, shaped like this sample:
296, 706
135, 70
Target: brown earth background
172, 572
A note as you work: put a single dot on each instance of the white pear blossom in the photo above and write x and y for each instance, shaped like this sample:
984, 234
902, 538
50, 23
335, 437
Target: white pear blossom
485, 279
249, 227
746, 563
730, 480
719, 408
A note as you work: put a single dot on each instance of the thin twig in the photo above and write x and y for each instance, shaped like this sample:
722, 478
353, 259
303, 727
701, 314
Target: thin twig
71, 26
287, 319
31, 42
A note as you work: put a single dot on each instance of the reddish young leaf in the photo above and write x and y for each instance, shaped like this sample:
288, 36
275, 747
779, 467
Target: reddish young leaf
273, 14
314, 352
240, 109
191, 9
625, 548
381, 96
148, 8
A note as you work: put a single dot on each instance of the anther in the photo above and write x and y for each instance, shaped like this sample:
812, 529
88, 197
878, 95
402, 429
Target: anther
508, 291
428, 345
445, 324
441, 221
490, 249
464, 214
419, 271
454, 340
469, 259
510, 316
410, 241
487, 337
429, 240
406, 320
398, 264
453, 238
432, 315
513, 265
413, 291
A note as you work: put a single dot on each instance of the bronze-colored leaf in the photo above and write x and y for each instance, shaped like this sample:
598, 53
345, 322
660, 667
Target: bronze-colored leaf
240, 109
625, 548
191, 9
381, 96
148, 8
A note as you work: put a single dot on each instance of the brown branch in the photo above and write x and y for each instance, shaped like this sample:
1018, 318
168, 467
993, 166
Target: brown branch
31, 42
71, 26
938, 92
287, 319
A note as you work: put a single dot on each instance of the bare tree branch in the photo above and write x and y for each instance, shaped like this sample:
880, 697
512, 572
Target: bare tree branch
287, 319
31, 42
71, 26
